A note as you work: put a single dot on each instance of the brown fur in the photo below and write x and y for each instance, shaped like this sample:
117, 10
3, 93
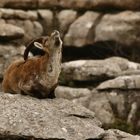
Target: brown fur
25, 77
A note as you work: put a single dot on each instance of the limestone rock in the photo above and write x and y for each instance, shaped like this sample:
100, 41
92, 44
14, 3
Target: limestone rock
119, 27
46, 18
91, 4
122, 82
10, 32
114, 134
96, 70
78, 33
76, 95
32, 29
24, 116
18, 14
9, 53
65, 19
100, 104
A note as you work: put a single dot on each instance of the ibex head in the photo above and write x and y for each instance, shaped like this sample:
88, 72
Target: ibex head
45, 43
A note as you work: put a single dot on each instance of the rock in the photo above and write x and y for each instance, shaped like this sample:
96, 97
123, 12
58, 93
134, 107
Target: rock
116, 107
78, 33
18, 14
65, 19
100, 104
46, 18
91, 4
10, 32
114, 134
23, 4
76, 95
33, 29
24, 116
96, 70
92, 27
122, 82
9, 53
119, 27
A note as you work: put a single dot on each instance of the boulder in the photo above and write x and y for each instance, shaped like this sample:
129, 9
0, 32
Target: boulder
78, 33
65, 19
118, 27
32, 29
9, 53
18, 14
122, 82
10, 32
27, 117
97, 70
114, 134
93, 27
100, 104
46, 18
91, 4
76, 95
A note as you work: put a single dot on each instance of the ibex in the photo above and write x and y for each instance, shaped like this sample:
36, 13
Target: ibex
36, 76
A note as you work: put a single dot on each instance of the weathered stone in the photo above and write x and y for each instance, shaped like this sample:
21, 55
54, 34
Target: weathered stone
114, 134
76, 95
96, 70
78, 33
122, 82
32, 29
24, 116
100, 104
9, 53
46, 18
19, 4
119, 27
10, 32
18, 14
90, 4
65, 18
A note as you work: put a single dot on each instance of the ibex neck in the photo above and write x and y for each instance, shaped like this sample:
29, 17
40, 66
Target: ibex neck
53, 67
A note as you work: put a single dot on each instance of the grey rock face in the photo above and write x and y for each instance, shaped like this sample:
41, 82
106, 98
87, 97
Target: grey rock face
47, 20
65, 19
114, 134
76, 95
24, 116
76, 4
119, 27
10, 32
18, 14
97, 70
9, 53
78, 34
122, 82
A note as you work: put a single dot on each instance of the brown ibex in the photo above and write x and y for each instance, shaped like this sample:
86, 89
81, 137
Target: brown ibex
36, 76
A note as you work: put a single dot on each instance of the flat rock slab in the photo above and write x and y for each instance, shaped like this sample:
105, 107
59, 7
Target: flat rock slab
9, 31
97, 70
27, 117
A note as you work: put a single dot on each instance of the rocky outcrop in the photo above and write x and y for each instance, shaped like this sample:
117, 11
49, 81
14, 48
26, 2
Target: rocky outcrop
94, 27
76, 4
10, 32
97, 70
9, 53
26, 117
114, 134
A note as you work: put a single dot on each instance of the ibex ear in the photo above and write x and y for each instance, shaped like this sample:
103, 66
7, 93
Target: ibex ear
38, 45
